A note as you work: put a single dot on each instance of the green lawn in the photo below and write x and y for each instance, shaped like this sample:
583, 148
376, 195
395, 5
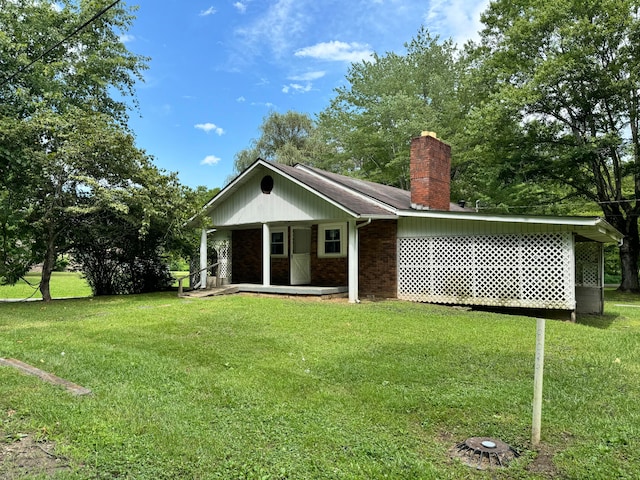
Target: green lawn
274, 388
63, 285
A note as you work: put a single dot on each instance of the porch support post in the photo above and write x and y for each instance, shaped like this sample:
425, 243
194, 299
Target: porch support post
203, 259
601, 280
266, 255
353, 261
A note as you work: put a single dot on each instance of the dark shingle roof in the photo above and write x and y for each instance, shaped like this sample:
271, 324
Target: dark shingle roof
360, 196
393, 196
352, 200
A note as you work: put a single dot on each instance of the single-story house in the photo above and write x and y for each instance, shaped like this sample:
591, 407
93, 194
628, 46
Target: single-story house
280, 225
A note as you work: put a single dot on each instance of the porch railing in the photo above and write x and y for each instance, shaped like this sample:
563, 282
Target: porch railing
180, 279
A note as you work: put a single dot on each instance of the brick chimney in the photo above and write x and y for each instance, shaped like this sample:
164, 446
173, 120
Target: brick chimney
430, 171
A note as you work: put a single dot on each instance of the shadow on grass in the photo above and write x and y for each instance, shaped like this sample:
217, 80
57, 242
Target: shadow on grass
602, 322
597, 321
562, 315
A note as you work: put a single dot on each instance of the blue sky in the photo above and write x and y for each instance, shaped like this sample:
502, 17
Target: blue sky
218, 67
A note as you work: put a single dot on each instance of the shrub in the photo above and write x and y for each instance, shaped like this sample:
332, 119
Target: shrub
112, 273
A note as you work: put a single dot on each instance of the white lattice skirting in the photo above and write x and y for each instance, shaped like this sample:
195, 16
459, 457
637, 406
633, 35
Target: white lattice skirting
588, 264
526, 271
223, 249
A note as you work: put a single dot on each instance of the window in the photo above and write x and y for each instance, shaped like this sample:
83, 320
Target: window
279, 242
332, 240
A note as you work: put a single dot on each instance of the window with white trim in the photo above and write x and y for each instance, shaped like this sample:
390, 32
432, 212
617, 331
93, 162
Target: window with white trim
332, 240
279, 242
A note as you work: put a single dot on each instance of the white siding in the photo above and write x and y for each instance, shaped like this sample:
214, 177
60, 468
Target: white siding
287, 202
409, 227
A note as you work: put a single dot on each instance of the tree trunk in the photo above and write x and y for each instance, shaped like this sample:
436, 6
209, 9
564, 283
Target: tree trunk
629, 251
47, 269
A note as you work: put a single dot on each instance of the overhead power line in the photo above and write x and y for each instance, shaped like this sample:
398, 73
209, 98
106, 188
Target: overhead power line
49, 50
488, 206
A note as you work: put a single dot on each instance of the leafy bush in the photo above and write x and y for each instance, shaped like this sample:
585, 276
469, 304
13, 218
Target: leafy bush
114, 274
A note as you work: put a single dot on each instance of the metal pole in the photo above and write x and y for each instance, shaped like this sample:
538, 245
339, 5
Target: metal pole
537, 382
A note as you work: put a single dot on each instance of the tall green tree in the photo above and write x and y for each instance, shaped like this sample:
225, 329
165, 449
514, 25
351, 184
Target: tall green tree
64, 123
389, 100
562, 105
124, 240
287, 138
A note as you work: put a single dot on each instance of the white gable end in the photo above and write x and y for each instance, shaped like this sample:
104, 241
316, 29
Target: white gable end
287, 202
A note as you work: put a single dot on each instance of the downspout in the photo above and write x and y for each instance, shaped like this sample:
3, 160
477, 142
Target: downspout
364, 224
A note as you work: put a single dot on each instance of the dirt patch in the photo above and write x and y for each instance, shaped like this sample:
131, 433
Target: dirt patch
543, 463
23, 456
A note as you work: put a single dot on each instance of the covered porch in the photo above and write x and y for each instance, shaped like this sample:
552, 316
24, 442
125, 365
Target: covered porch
296, 258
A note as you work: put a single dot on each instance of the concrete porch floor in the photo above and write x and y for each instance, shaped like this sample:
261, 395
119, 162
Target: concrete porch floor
291, 289
307, 290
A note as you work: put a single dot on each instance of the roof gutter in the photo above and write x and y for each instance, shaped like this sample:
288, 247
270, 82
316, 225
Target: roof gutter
364, 224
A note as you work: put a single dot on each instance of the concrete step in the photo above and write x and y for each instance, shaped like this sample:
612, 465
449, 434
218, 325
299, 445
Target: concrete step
212, 292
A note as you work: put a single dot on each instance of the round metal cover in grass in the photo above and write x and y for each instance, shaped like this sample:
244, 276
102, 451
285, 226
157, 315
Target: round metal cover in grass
484, 452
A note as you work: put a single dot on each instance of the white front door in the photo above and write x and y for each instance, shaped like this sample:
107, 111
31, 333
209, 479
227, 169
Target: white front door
300, 256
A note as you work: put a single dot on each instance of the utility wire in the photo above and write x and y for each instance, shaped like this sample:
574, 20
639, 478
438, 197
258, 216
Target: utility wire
488, 206
48, 51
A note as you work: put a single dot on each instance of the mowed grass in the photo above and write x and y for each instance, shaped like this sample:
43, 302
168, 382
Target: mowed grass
63, 285
276, 388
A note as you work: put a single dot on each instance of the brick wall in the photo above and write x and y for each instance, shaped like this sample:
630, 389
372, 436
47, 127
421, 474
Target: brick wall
326, 272
280, 271
246, 256
377, 268
377, 271
430, 171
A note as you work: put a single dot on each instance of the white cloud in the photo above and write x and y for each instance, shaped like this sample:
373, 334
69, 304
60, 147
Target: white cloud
308, 77
163, 110
263, 104
336, 51
209, 127
126, 38
276, 28
241, 99
207, 12
459, 19
210, 160
297, 88
241, 7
